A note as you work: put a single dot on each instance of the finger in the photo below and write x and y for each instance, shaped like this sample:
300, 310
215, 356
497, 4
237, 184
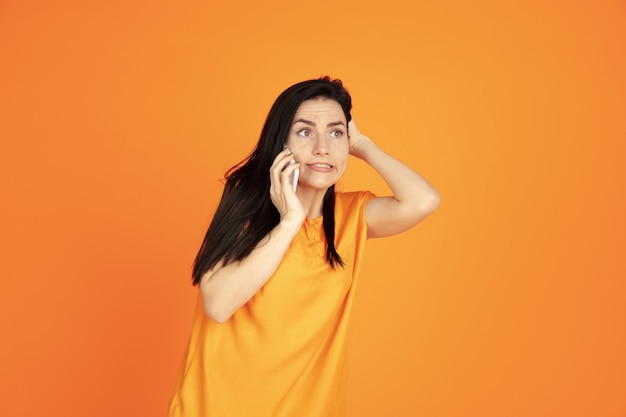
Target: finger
352, 129
275, 170
280, 163
291, 166
281, 155
279, 179
286, 173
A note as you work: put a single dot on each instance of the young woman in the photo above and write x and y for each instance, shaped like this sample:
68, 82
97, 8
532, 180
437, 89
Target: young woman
279, 262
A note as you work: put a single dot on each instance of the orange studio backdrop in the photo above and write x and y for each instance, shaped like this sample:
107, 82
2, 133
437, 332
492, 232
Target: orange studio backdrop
118, 120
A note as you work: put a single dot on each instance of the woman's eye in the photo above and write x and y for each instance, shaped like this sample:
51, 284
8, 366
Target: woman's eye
336, 134
305, 133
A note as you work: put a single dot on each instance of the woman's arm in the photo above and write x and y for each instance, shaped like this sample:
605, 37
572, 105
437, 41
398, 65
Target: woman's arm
413, 198
226, 288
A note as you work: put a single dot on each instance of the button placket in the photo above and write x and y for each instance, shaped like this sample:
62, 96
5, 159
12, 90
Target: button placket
313, 232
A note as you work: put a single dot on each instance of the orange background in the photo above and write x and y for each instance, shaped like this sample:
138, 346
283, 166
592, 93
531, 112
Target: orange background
117, 120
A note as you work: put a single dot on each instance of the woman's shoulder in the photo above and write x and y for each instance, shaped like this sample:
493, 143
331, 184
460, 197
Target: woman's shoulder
352, 197
350, 214
351, 201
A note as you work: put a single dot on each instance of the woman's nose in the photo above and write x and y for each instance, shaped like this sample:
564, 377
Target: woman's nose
321, 146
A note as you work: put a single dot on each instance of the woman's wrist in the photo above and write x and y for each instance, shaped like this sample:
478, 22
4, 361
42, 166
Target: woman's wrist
290, 224
363, 149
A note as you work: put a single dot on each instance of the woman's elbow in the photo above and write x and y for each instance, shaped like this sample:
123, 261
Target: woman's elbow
432, 201
427, 204
214, 306
215, 313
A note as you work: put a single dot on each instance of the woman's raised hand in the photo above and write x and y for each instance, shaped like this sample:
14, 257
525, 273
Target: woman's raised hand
357, 140
281, 190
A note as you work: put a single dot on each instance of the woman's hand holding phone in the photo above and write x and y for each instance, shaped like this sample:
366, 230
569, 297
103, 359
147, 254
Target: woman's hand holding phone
293, 177
284, 179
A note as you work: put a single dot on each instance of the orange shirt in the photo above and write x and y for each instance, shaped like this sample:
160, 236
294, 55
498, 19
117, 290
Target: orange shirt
284, 352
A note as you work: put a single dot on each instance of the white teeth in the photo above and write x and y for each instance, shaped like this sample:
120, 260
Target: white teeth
322, 165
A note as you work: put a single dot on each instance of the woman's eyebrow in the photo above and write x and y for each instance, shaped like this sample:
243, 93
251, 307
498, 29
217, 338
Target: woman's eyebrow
306, 122
336, 124
310, 123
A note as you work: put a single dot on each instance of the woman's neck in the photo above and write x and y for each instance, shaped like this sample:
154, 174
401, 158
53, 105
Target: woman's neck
311, 200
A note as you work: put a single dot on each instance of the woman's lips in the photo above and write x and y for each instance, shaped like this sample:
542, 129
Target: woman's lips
320, 167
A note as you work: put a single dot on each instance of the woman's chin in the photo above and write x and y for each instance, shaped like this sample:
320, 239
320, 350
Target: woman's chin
316, 185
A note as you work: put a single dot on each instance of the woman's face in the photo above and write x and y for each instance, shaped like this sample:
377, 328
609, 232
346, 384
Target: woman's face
318, 139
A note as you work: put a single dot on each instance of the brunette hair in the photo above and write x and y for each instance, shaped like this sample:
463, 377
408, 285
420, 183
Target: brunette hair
246, 213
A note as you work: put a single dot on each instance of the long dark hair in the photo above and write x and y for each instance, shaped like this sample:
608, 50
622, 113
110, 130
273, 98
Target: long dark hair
245, 213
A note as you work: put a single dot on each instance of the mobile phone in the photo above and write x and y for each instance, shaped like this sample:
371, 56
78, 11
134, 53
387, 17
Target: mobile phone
293, 177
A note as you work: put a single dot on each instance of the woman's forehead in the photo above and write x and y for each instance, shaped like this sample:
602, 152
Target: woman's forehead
320, 106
